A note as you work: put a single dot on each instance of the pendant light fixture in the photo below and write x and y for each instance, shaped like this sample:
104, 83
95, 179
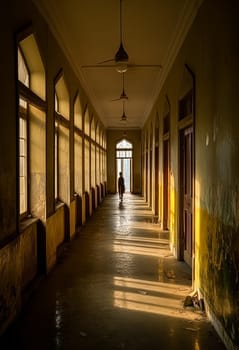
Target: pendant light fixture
121, 56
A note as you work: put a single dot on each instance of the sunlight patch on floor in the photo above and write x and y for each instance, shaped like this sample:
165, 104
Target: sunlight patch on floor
145, 240
119, 248
145, 248
151, 297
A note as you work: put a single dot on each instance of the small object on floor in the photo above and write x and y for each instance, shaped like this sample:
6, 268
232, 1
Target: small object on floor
143, 292
170, 274
192, 329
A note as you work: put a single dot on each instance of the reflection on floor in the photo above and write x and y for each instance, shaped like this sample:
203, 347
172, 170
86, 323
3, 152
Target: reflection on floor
116, 286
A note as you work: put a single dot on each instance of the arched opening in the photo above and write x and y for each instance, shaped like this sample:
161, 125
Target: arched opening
87, 169
124, 162
78, 159
62, 141
78, 146
32, 107
87, 122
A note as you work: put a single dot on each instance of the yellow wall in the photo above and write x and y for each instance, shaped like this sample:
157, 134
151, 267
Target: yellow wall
211, 51
55, 235
73, 224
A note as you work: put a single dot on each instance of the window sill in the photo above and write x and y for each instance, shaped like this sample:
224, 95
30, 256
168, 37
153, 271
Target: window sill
59, 205
26, 223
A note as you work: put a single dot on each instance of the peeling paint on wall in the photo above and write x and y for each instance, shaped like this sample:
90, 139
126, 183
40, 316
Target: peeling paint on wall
219, 255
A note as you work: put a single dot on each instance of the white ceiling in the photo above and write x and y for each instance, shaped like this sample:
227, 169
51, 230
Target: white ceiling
89, 32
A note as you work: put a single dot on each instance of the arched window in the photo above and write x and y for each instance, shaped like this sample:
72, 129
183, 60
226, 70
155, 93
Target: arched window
62, 140
97, 138
62, 105
78, 113
32, 106
78, 165
87, 164
92, 129
87, 122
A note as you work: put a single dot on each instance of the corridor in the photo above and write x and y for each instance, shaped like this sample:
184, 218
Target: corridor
115, 286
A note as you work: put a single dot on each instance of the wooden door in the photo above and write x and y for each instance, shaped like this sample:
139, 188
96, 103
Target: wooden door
186, 187
150, 178
166, 184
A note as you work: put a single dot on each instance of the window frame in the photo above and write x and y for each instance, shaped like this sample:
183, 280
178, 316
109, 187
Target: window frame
26, 94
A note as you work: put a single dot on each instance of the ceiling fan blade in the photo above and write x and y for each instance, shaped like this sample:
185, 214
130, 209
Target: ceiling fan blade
106, 61
146, 66
130, 66
97, 66
116, 99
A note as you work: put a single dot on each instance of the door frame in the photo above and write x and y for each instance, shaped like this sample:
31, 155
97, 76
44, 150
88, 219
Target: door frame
186, 118
122, 158
181, 154
156, 170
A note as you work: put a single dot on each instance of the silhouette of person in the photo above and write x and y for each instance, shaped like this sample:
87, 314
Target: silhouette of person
121, 186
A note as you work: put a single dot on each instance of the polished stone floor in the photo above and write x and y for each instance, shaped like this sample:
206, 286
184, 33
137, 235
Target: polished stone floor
116, 286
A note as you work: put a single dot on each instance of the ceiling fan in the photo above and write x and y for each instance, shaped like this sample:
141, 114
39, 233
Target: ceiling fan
121, 58
123, 95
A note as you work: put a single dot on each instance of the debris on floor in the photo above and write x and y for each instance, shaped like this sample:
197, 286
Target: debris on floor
193, 300
170, 275
192, 329
143, 292
188, 301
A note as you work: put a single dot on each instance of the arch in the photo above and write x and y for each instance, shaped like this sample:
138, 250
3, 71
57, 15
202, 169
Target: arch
28, 48
92, 128
124, 144
87, 122
62, 104
32, 106
98, 133
124, 161
104, 140
78, 159
77, 112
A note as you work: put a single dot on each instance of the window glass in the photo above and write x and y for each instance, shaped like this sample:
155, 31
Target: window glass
23, 75
23, 164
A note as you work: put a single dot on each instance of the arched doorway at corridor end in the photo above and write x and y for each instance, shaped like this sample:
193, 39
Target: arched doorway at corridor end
124, 163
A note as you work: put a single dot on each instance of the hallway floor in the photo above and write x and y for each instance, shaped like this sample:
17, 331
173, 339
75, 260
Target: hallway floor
116, 286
